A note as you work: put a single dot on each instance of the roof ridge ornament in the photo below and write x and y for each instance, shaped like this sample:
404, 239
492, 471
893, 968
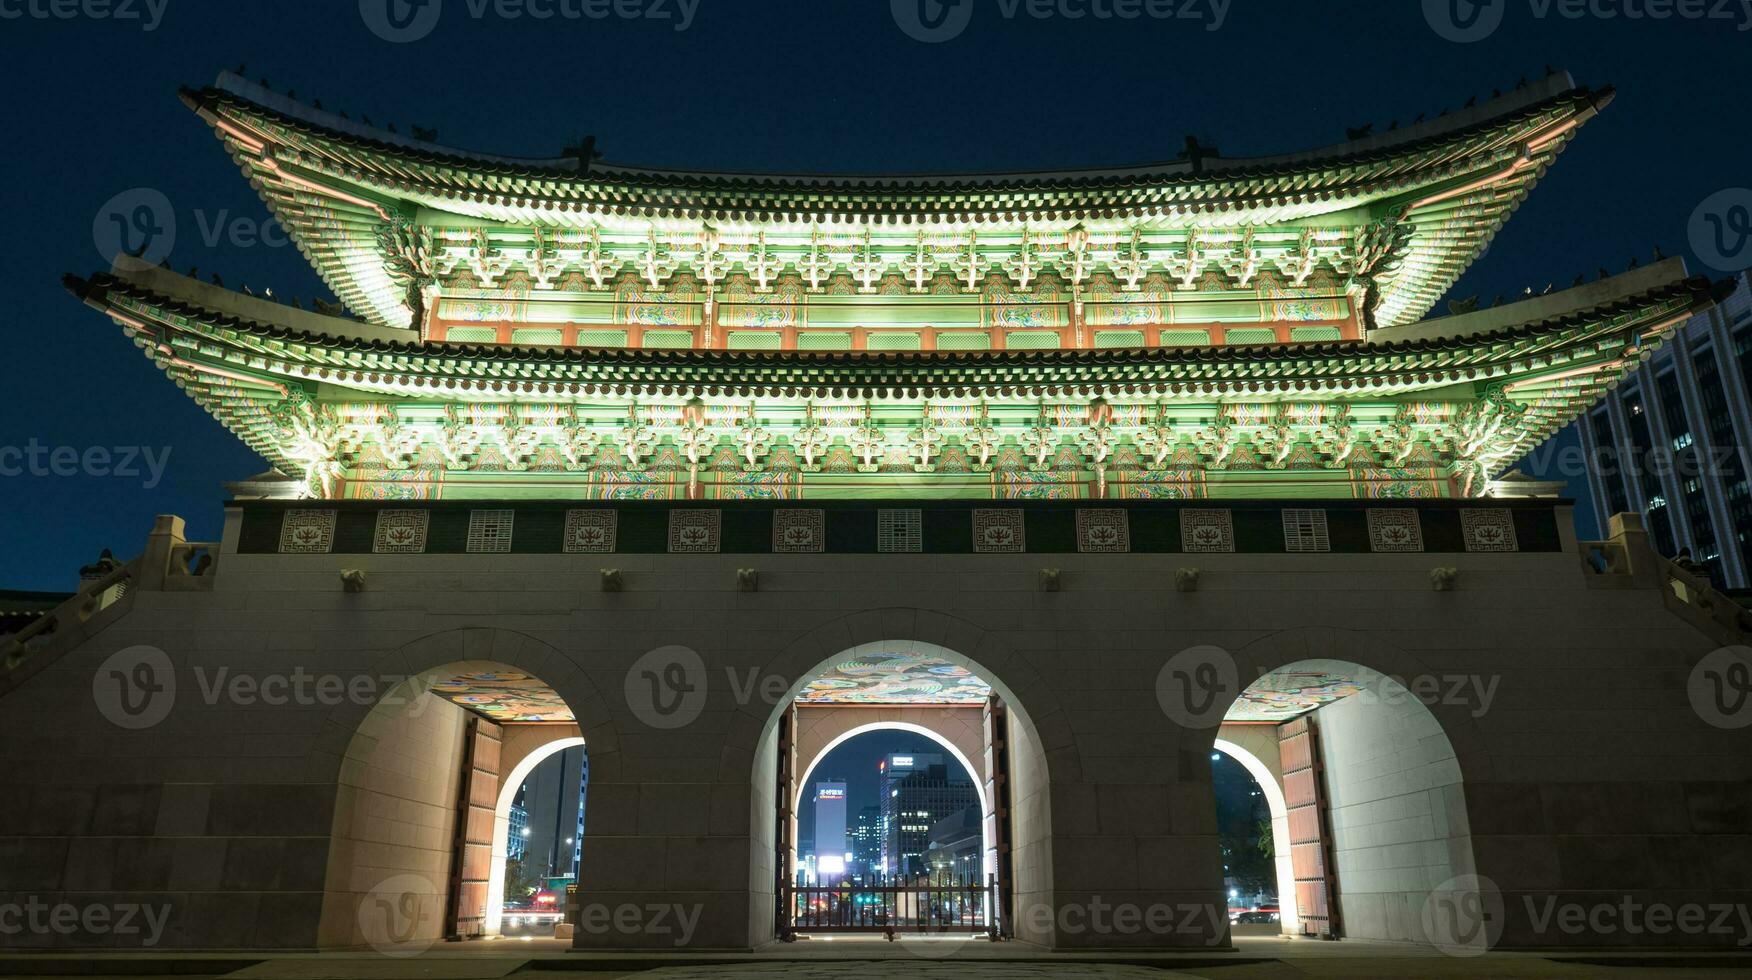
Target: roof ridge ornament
1196, 154
584, 153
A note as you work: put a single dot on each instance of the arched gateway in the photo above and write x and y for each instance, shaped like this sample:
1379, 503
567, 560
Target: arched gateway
976, 716
1043, 430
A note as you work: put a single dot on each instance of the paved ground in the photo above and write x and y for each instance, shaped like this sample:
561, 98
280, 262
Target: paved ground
1256, 958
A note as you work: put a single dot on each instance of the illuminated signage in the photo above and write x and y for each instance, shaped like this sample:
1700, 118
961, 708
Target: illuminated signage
903, 762
831, 793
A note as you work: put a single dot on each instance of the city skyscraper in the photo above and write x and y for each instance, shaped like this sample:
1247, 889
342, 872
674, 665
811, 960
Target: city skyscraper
916, 799
830, 829
1673, 442
866, 842
553, 797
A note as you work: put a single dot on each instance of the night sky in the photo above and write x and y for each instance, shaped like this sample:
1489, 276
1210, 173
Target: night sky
804, 86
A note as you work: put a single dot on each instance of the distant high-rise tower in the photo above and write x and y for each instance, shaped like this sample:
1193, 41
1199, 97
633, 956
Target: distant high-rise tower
917, 799
866, 842
553, 797
830, 829
1673, 442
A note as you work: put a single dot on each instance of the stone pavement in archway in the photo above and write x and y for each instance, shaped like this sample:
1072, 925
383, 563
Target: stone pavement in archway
1258, 959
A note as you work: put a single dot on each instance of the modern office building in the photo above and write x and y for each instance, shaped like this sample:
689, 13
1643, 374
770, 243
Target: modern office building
831, 847
554, 796
954, 846
1673, 442
866, 842
916, 800
517, 841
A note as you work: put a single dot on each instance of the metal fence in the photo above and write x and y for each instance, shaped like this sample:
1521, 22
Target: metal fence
894, 905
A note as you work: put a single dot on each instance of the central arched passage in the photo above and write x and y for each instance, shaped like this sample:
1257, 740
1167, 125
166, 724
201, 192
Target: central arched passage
954, 732
970, 714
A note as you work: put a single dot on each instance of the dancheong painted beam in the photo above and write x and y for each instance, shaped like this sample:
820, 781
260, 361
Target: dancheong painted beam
1203, 328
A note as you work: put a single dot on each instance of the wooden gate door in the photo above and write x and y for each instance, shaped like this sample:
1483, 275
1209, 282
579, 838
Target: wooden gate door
471, 863
998, 828
785, 854
1310, 829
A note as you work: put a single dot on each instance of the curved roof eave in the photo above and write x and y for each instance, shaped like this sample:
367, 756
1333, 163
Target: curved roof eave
1494, 113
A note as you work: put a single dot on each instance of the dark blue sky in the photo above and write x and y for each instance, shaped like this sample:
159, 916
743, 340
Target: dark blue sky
751, 84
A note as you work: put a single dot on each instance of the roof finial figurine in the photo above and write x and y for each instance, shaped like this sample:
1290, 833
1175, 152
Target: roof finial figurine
1359, 132
585, 152
1420, 118
1581, 278
1470, 102
1660, 256
218, 281
1521, 84
241, 70
423, 134
1197, 153
194, 272
1634, 263
1603, 273
316, 104
1459, 306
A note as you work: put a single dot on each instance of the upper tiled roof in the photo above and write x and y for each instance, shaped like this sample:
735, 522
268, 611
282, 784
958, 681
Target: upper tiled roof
1447, 185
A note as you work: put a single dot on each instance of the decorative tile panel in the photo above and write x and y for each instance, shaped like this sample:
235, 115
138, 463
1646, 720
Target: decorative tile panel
401, 532
489, 531
590, 531
1208, 531
1394, 529
799, 530
998, 531
1305, 530
899, 532
695, 531
1488, 529
307, 532
1103, 530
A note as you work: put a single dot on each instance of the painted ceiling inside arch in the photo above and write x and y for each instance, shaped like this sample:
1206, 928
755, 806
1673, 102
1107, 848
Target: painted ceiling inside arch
895, 678
504, 696
1279, 697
